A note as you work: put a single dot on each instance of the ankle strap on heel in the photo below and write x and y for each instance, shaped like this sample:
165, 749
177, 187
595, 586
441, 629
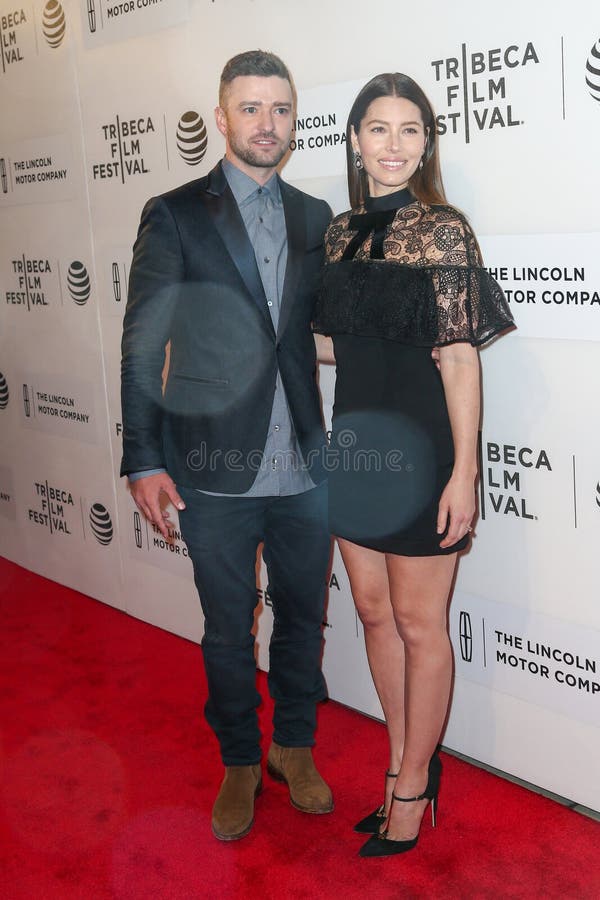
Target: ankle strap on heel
422, 796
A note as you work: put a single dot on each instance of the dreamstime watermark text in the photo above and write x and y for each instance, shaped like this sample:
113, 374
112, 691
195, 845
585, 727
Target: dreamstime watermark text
342, 454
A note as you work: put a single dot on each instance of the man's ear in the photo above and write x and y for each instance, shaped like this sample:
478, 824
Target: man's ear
221, 120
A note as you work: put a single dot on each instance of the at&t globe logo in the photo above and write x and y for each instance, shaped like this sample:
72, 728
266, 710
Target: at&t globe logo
3, 392
53, 23
78, 282
592, 78
192, 139
101, 524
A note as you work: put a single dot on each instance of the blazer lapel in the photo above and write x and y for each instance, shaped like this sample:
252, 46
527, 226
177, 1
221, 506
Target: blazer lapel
293, 206
223, 210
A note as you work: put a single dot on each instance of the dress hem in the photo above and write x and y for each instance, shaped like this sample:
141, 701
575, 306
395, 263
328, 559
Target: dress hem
408, 548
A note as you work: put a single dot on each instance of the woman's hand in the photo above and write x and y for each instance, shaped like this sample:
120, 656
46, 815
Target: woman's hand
456, 509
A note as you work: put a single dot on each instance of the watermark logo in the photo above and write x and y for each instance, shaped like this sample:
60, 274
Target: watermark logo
101, 524
53, 23
192, 138
78, 282
342, 454
592, 69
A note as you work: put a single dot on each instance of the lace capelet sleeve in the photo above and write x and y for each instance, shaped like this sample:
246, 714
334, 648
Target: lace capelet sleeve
423, 303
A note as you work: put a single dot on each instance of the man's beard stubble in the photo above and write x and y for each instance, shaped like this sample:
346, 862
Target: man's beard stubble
254, 157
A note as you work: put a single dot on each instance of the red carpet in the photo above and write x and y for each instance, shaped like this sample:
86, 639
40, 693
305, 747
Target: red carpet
109, 773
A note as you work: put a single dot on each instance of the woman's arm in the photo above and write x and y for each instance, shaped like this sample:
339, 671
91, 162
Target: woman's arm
459, 367
324, 347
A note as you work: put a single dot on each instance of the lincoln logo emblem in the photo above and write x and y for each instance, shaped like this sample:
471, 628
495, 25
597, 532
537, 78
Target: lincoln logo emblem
116, 281
26, 403
137, 529
466, 636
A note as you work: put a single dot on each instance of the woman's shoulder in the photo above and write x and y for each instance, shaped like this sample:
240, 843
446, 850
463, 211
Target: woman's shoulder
425, 218
444, 213
450, 239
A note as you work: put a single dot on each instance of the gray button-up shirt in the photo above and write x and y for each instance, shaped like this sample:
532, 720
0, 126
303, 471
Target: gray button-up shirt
282, 471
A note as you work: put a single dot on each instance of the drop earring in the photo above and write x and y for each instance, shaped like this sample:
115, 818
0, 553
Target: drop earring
358, 161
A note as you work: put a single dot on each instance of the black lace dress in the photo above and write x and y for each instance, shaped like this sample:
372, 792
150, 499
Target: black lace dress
400, 278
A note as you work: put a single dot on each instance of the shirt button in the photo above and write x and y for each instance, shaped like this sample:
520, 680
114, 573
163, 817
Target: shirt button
267, 259
260, 190
277, 428
269, 303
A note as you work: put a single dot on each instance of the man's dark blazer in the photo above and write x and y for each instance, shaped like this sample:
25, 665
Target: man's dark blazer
194, 282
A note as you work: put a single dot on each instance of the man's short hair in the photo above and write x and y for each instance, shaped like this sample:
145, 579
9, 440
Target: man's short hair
252, 62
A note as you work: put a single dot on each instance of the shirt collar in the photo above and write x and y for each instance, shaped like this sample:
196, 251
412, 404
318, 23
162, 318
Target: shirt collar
242, 186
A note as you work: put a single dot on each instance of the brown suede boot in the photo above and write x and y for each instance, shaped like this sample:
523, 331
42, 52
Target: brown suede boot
233, 812
295, 766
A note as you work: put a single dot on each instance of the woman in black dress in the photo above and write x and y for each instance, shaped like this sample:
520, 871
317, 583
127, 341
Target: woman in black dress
403, 276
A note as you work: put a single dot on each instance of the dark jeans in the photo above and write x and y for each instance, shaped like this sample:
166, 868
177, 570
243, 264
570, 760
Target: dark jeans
222, 535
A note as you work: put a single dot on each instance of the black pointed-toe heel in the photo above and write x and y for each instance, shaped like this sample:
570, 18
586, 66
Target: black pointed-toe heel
372, 823
380, 845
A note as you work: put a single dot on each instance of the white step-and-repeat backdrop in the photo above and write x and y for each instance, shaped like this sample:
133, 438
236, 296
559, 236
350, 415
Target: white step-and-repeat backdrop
96, 99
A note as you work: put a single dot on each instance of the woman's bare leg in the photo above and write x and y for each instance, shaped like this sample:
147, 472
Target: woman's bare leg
368, 575
419, 590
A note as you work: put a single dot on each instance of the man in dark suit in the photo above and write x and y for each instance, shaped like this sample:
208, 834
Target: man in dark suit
225, 270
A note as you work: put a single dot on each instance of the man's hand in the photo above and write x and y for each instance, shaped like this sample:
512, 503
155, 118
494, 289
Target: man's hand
146, 493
